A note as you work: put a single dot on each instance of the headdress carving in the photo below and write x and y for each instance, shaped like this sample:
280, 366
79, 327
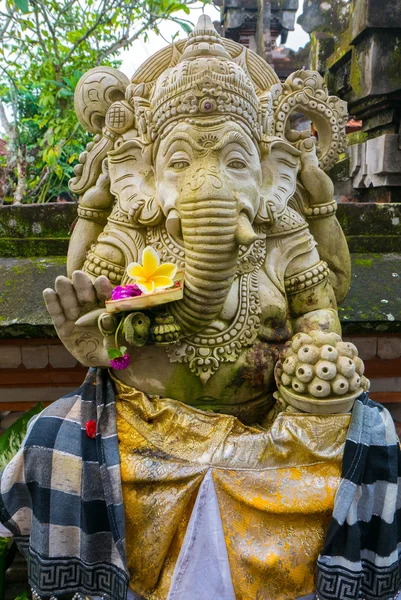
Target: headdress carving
202, 77
206, 81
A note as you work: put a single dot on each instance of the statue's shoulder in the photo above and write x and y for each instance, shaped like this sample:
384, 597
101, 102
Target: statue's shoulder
289, 222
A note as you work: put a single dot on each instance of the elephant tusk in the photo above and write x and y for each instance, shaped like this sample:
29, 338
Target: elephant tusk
245, 234
173, 224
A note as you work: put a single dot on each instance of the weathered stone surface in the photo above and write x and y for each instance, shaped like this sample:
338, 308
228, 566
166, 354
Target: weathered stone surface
375, 14
10, 357
376, 278
370, 219
375, 66
13, 247
322, 47
373, 304
389, 348
371, 227
35, 229
59, 357
386, 384
37, 220
324, 15
376, 162
35, 357
22, 310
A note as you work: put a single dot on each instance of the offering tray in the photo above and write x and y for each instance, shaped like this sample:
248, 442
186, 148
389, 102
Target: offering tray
146, 301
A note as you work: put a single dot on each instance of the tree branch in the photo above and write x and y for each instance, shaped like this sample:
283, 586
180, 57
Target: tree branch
44, 14
41, 42
5, 27
122, 43
87, 33
3, 119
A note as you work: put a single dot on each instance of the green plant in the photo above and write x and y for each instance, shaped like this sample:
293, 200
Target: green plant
11, 440
45, 47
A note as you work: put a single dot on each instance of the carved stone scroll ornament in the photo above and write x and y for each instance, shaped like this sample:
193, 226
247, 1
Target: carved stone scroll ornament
306, 92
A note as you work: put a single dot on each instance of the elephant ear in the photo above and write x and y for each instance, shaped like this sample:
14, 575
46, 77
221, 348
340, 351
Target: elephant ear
280, 165
132, 182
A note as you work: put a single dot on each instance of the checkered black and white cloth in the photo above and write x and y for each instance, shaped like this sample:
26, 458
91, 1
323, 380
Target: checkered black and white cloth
61, 498
361, 555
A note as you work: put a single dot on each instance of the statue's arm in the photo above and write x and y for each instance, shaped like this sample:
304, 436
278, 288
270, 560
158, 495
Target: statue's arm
86, 231
94, 207
323, 224
333, 249
311, 298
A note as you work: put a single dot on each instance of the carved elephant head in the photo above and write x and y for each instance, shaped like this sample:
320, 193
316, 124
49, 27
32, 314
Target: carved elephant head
211, 184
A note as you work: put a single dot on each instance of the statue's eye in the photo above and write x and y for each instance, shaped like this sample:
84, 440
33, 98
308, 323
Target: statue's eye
237, 164
179, 164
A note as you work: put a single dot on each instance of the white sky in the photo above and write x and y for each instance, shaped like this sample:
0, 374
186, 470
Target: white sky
140, 51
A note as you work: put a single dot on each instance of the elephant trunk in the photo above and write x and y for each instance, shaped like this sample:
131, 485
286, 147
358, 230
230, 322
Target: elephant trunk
211, 254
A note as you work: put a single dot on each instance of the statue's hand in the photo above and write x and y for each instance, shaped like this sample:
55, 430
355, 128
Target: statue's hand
316, 181
69, 302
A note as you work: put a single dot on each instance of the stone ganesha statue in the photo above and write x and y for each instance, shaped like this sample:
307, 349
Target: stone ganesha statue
196, 157
222, 461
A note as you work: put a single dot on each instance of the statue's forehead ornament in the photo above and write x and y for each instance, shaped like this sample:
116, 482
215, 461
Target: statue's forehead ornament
206, 83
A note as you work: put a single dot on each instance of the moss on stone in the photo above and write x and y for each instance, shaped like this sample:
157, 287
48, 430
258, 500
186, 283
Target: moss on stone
355, 75
26, 247
357, 137
22, 282
394, 63
373, 303
36, 220
374, 243
343, 47
365, 262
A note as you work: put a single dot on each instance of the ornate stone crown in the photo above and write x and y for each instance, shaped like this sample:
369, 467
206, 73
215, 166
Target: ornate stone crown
205, 82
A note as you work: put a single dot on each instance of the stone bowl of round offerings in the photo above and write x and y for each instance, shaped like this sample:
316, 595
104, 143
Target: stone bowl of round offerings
319, 373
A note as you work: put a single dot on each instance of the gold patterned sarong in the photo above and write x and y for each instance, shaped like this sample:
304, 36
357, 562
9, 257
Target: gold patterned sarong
275, 489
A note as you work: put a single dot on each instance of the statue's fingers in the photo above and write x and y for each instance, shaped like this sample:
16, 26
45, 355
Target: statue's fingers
103, 289
53, 306
84, 289
68, 298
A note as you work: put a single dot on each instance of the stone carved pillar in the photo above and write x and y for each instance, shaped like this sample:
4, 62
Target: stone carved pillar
363, 66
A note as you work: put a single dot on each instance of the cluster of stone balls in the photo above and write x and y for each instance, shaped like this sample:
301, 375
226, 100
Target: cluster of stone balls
321, 365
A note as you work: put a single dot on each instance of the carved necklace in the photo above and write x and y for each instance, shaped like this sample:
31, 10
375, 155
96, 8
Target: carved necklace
204, 351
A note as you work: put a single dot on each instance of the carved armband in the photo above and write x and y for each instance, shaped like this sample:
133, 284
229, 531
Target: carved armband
321, 210
93, 214
96, 265
307, 279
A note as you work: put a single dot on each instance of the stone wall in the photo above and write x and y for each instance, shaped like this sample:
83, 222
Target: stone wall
359, 53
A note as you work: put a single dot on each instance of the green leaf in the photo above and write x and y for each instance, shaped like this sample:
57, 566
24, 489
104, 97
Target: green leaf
113, 353
11, 439
123, 350
185, 26
22, 5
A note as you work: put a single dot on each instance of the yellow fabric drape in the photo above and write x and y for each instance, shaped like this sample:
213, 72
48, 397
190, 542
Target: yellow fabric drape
275, 490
